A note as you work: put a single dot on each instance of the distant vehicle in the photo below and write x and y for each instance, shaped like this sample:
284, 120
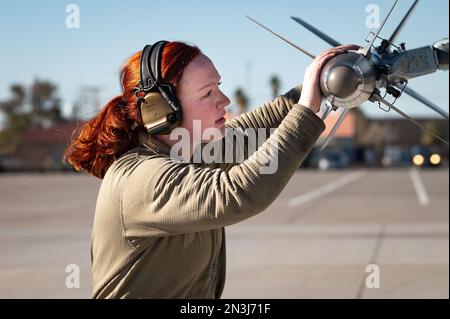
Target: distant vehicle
9, 164
395, 156
332, 160
369, 157
422, 156
328, 159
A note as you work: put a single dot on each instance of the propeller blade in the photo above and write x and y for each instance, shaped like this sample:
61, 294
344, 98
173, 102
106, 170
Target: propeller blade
423, 100
283, 38
317, 32
380, 99
401, 24
334, 129
366, 49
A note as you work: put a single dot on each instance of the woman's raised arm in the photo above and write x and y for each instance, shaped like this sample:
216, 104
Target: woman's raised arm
270, 114
161, 197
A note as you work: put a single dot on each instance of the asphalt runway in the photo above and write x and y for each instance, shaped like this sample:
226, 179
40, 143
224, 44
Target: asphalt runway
340, 234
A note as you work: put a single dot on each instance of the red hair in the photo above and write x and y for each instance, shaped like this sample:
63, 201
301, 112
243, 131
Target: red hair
110, 133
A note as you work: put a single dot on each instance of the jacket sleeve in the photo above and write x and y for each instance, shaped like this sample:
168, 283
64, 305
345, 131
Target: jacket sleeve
261, 122
162, 197
270, 114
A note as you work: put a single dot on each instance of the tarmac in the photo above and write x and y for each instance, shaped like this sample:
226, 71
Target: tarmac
359, 233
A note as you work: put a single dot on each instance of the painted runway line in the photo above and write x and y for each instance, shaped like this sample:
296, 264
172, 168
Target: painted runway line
326, 189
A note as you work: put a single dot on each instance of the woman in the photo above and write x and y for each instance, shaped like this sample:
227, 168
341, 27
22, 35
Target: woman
159, 223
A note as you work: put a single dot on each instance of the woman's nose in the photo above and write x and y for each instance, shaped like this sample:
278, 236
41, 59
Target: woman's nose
224, 100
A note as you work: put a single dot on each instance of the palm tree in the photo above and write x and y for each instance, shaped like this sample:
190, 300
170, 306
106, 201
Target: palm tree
426, 138
241, 100
275, 85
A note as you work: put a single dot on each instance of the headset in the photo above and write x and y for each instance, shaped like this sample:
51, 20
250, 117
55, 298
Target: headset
157, 103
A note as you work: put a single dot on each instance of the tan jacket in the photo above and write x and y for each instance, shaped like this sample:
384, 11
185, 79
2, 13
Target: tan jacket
159, 224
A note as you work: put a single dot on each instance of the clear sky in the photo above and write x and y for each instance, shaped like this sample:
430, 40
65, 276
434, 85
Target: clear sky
35, 42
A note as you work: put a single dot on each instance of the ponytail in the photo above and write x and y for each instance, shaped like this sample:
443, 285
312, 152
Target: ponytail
102, 139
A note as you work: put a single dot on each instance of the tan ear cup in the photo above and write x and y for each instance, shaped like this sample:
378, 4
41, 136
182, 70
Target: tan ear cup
154, 110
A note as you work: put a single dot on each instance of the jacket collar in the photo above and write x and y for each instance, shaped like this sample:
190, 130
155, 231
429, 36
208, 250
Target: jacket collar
153, 144
150, 142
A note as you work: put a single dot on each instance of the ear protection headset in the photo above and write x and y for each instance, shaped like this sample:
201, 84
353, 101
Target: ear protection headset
159, 107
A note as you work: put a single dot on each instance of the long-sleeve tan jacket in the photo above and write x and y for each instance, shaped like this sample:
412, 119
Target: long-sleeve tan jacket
159, 224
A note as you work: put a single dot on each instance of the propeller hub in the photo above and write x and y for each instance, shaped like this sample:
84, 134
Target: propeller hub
348, 80
342, 81
441, 48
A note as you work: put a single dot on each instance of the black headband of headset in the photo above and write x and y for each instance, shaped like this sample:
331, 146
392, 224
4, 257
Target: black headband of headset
151, 60
151, 76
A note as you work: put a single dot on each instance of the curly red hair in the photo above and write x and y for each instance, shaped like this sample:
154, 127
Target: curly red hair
110, 133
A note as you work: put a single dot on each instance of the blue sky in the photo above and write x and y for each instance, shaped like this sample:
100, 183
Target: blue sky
37, 44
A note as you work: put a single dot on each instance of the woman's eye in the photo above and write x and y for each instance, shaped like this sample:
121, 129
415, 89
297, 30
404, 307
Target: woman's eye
210, 91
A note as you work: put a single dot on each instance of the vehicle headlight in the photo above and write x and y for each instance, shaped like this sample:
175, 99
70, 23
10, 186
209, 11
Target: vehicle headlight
435, 159
418, 159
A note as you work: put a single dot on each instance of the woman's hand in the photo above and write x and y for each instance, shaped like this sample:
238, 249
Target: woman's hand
311, 95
